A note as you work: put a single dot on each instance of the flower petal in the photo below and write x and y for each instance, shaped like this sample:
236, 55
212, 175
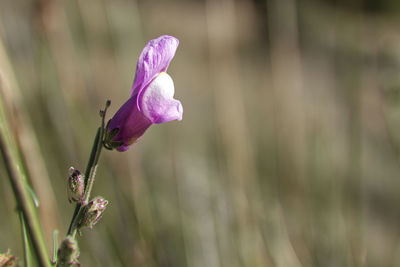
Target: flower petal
130, 122
153, 60
157, 102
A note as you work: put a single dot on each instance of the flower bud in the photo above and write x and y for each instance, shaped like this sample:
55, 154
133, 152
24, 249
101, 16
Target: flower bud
76, 185
68, 253
93, 212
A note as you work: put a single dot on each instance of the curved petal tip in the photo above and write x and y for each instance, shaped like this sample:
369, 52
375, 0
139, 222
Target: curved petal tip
154, 59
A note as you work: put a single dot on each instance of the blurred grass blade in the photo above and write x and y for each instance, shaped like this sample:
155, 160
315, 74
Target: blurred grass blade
33, 195
16, 172
55, 243
27, 248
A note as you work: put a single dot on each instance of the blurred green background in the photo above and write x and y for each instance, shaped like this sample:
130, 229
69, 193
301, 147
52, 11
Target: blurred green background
287, 154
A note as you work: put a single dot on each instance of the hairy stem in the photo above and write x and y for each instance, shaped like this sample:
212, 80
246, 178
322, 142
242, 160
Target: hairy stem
90, 165
90, 173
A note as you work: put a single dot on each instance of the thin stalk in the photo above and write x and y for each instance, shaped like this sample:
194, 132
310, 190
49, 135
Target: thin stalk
89, 166
90, 173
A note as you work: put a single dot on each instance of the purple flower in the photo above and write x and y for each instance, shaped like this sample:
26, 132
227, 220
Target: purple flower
151, 100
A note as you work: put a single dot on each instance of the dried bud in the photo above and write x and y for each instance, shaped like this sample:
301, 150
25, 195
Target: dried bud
68, 253
75, 185
7, 260
93, 212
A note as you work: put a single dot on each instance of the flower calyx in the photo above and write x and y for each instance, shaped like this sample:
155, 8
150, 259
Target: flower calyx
108, 142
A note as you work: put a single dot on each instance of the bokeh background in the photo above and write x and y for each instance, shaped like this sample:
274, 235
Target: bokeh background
287, 155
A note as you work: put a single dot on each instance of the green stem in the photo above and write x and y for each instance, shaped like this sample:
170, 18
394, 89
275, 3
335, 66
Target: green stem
90, 173
88, 182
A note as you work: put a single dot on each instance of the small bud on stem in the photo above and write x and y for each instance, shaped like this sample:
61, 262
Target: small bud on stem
68, 253
93, 212
75, 185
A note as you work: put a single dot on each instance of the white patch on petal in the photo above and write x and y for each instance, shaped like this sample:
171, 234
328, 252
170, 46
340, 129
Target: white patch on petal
160, 89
